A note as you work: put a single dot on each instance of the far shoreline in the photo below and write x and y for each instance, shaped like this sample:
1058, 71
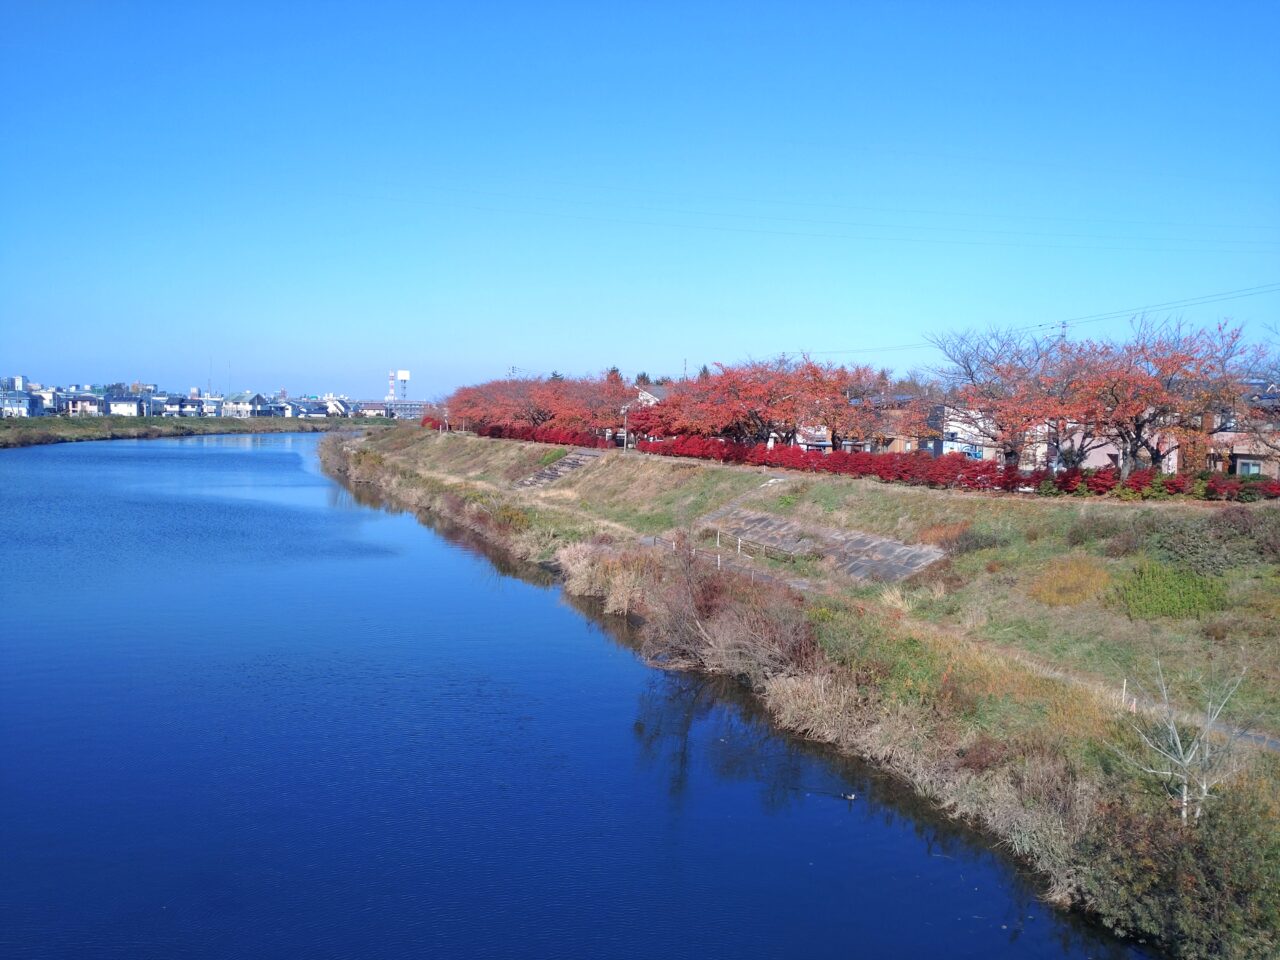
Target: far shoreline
39, 431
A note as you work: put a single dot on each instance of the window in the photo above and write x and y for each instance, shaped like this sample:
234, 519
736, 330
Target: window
1248, 468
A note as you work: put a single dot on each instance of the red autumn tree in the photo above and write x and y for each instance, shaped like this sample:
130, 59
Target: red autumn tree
501, 403
851, 403
1166, 386
997, 385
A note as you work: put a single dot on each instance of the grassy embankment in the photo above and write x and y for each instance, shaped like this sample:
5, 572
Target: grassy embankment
989, 684
33, 431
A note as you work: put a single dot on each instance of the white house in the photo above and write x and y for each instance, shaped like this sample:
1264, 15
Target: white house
245, 404
124, 406
650, 394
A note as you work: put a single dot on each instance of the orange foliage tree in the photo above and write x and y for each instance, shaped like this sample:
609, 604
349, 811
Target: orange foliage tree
1165, 388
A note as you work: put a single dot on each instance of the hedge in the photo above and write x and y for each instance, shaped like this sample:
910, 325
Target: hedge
953, 471
958, 472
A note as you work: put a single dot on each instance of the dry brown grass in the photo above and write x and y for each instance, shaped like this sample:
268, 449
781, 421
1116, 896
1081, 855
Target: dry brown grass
1069, 581
940, 534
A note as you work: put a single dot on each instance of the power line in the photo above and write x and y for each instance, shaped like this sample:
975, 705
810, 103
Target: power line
865, 225
760, 231
837, 205
1205, 299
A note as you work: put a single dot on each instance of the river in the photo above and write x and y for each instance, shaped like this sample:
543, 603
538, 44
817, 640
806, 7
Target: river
243, 715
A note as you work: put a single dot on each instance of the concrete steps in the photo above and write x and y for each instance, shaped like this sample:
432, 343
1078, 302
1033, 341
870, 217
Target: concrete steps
859, 555
576, 459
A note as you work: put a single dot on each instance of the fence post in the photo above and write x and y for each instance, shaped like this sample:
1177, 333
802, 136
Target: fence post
717, 561
739, 546
717, 539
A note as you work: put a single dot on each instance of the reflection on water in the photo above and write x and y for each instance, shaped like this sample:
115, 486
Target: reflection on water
244, 712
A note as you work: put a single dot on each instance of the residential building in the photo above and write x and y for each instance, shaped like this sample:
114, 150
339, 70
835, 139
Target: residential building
180, 406
650, 393
83, 405
245, 404
20, 403
1250, 452
124, 406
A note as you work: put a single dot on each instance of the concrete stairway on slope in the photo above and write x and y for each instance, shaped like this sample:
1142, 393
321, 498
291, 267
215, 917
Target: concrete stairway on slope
549, 474
859, 555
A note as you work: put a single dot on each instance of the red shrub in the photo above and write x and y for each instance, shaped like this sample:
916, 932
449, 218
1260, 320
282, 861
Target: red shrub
1069, 481
1222, 487
949, 471
1101, 481
1140, 480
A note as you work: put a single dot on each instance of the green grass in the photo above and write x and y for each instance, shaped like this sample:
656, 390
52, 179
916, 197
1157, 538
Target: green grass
651, 496
34, 431
1153, 590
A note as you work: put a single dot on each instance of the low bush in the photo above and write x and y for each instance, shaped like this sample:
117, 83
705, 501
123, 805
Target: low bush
971, 541
1206, 890
1091, 527
558, 435
1152, 590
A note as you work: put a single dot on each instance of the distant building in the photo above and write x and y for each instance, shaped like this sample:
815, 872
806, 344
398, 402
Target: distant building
20, 403
181, 406
370, 408
84, 405
245, 404
124, 406
299, 409
650, 394
15, 384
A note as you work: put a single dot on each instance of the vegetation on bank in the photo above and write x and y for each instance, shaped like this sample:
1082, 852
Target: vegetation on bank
977, 682
34, 431
955, 471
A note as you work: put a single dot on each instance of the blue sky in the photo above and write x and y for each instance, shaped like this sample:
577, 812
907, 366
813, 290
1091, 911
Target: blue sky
306, 194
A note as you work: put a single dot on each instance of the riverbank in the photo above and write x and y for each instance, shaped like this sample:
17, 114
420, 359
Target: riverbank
1017, 744
34, 431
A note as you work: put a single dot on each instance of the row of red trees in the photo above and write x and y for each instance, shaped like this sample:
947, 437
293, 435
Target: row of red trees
959, 472
1166, 388
1038, 401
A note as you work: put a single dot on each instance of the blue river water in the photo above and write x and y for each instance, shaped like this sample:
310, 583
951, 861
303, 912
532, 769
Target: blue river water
244, 716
